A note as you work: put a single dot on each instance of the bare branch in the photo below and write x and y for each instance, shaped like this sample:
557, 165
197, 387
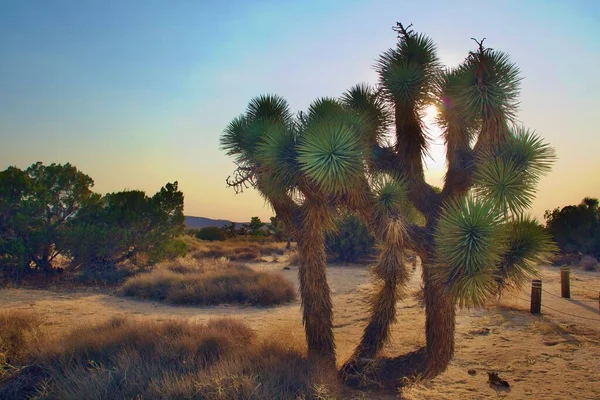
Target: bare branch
480, 44
243, 178
402, 31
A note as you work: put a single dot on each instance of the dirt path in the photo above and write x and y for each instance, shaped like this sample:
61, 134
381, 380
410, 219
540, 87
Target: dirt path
553, 356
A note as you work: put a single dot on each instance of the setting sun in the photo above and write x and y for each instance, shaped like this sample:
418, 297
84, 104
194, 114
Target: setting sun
430, 114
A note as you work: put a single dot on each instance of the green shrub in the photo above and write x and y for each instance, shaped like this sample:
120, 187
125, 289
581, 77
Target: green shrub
211, 233
351, 241
106, 273
119, 226
168, 250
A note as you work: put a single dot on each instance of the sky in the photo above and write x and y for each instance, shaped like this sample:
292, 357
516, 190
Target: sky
136, 93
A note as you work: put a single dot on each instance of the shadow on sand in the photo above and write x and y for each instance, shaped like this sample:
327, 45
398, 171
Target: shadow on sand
384, 374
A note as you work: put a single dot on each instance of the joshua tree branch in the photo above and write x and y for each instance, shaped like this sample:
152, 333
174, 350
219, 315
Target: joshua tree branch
459, 177
420, 240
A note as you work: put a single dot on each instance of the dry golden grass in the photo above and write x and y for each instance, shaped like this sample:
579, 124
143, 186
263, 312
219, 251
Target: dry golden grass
222, 359
18, 330
209, 282
234, 250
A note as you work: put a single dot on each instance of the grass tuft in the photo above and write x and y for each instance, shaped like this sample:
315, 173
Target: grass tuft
222, 359
237, 250
18, 331
209, 282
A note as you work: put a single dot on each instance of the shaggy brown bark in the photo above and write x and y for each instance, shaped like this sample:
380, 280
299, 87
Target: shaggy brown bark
383, 315
317, 310
440, 323
392, 273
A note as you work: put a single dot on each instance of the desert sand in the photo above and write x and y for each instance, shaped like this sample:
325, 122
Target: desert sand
552, 356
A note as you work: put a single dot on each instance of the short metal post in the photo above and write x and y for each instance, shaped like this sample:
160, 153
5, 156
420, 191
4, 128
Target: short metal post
536, 296
565, 286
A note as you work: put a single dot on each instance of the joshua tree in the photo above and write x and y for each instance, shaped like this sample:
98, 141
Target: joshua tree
364, 152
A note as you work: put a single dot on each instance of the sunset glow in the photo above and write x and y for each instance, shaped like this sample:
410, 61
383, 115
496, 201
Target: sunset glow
136, 102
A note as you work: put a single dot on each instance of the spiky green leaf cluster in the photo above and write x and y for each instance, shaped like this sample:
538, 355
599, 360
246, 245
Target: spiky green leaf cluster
468, 248
269, 107
330, 153
278, 156
236, 142
488, 86
527, 245
391, 194
408, 73
366, 102
501, 182
244, 134
324, 108
508, 176
529, 152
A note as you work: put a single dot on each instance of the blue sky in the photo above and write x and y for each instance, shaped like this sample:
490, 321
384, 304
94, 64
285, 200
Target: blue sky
136, 93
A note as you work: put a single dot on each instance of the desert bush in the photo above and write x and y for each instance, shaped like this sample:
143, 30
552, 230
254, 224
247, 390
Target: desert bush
588, 263
191, 242
238, 250
211, 252
168, 250
249, 253
211, 233
351, 241
269, 249
208, 283
222, 359
107, 273
561, 259
18, 330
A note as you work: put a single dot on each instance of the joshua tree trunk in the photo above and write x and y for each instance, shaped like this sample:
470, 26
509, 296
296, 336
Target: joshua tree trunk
439, 324
383, 315
391, 271
317, 310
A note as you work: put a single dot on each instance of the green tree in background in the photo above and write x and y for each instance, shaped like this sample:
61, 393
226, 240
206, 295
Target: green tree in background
351, 240
17, 204
37, 205
576, 229
211, 233
229, 230
119, 226
255, 226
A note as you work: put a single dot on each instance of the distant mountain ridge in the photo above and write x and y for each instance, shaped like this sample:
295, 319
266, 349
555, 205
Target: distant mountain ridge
202, 222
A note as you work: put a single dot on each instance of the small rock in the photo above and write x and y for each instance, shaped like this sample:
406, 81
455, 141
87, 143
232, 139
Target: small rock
472, 372
495, 380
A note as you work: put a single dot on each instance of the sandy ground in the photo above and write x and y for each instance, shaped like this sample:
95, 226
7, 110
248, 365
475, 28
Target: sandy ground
552, 356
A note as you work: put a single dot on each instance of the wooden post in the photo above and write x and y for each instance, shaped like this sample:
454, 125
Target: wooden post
536, 296
565, 286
